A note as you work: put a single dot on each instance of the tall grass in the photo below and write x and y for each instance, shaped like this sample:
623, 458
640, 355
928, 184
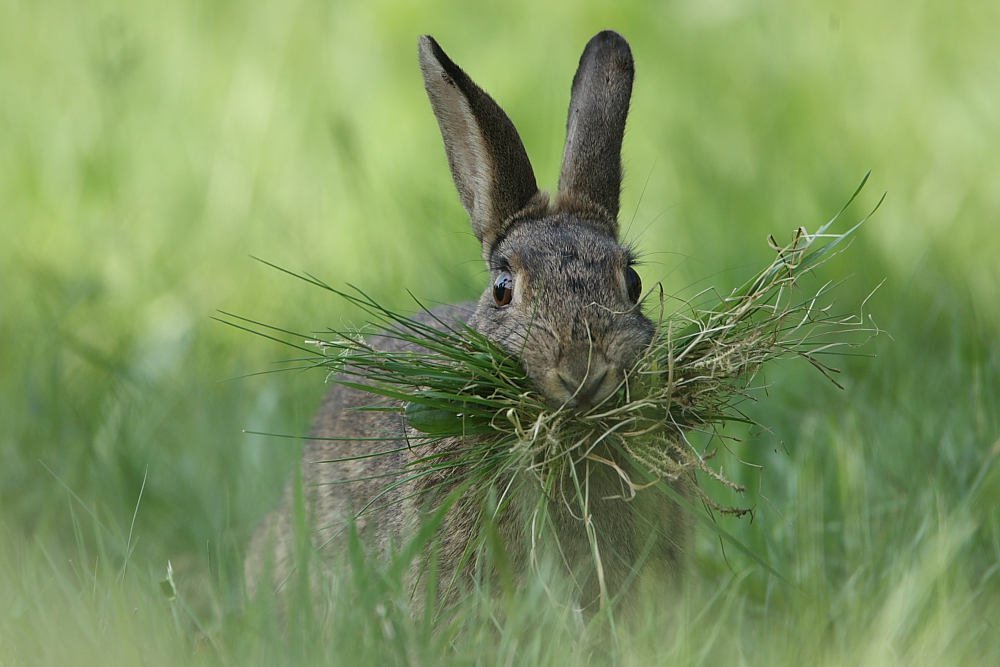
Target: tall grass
149, 150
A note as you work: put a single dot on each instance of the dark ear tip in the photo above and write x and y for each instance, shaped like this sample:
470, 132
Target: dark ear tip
606, 36
610, 44
429, 47
427, 43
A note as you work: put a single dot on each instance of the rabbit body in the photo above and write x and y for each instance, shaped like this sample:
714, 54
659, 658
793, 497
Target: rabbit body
563, 298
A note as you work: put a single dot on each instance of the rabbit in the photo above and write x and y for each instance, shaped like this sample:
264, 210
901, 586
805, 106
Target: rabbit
564, 298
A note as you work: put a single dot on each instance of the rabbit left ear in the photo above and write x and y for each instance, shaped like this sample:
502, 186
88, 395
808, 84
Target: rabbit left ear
487, 159
591, 176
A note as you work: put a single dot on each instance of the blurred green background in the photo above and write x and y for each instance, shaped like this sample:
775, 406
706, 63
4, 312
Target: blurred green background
148, 150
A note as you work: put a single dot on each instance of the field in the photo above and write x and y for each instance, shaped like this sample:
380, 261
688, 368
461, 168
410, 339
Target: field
150, 151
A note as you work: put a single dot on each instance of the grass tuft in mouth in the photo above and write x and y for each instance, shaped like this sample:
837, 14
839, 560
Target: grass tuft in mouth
700, 365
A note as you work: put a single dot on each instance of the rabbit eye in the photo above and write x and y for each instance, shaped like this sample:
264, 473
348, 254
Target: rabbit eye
633, 285
503, 288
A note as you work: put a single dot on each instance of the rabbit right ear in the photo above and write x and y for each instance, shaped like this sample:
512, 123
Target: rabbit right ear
591, 177
487, 159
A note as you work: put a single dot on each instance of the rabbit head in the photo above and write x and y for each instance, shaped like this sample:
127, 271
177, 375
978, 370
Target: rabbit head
563, 295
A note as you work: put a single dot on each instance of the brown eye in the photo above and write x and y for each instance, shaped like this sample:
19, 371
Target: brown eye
503, 288
633, 285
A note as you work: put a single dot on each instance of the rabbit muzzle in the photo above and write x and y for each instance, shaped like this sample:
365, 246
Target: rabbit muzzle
583, 380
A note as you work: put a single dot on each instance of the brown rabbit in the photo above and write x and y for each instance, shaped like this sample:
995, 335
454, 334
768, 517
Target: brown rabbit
564, 298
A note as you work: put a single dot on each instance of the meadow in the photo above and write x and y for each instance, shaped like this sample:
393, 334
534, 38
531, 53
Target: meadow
150, 151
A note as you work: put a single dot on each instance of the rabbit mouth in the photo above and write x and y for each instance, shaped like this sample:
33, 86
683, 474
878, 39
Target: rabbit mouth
580, 388
584, 394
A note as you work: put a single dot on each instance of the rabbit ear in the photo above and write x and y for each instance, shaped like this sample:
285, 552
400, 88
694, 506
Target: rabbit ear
487, 159
591, 176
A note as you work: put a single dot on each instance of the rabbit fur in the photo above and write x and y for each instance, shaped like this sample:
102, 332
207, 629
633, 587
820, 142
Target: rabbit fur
572, 318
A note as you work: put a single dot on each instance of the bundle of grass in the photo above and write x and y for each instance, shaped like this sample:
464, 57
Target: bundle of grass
701, 363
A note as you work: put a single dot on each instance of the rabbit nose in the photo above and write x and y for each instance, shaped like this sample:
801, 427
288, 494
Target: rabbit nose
586, 391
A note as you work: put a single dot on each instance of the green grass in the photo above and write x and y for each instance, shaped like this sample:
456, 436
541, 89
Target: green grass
149, 150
